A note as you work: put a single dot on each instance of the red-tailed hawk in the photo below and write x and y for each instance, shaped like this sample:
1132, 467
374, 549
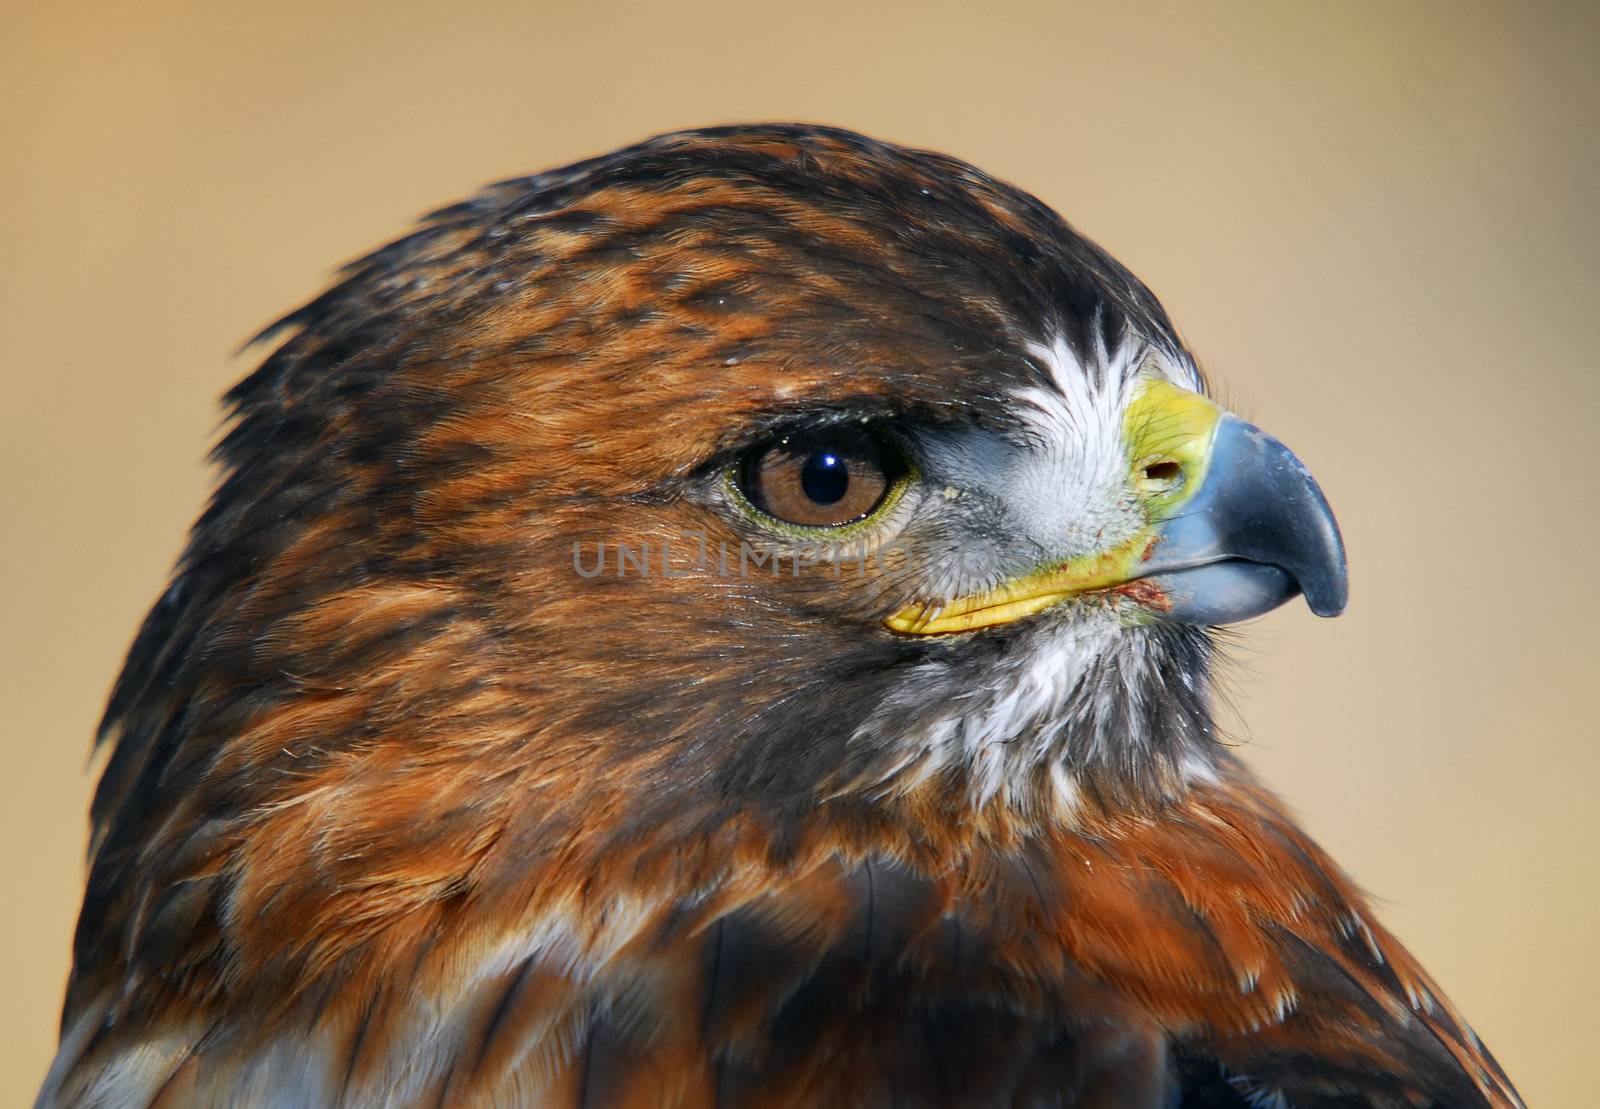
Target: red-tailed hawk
729, 622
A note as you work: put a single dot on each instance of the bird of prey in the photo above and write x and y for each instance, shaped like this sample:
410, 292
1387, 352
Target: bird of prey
729, 622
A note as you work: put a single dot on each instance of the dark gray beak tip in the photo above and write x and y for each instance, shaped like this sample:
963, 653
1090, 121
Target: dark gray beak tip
1313, 548
1329, 606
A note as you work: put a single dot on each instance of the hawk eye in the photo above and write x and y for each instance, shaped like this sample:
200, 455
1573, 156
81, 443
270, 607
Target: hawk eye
823, 479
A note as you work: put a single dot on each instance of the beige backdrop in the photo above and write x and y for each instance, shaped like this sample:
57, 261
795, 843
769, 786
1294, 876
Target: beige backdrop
1375, 223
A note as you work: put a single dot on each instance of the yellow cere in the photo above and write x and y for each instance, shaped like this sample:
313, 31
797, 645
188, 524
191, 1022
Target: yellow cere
1166, 424
1168, 432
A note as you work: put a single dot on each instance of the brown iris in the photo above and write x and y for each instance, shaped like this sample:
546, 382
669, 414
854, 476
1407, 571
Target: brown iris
820, 479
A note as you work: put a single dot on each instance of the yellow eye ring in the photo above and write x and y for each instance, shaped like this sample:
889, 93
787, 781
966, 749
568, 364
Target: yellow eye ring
808, 477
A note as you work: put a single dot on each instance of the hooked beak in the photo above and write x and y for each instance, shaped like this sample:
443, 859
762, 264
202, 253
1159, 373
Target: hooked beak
1246, 530
1256, 532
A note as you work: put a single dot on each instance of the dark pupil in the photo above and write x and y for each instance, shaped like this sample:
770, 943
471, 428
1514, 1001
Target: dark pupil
825, 478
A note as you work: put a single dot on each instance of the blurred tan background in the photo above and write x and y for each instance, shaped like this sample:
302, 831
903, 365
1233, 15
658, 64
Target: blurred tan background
1375, 222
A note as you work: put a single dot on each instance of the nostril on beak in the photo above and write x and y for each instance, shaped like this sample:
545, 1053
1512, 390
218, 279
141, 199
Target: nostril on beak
1160, 477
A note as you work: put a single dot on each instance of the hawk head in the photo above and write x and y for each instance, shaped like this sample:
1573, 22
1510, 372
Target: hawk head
739, 476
